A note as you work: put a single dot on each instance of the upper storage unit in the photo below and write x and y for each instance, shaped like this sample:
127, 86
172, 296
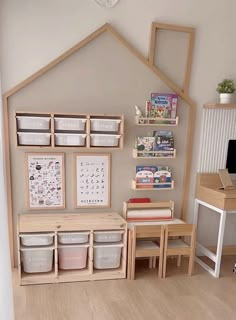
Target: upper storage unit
69, 130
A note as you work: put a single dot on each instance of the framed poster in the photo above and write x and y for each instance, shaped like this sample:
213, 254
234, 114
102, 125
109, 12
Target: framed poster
45, 180
93, 173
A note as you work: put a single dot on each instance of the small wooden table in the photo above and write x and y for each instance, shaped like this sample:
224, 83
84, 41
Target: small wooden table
209, 194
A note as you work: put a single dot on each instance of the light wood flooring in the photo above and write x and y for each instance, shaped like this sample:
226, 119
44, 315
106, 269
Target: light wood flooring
199, 297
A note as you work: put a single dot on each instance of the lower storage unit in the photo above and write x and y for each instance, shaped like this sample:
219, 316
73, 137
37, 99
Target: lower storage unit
107, 257
72, 256
84, 246
37, 259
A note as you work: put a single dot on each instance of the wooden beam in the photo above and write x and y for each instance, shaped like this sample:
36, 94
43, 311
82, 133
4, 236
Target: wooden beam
8, 179
189, 62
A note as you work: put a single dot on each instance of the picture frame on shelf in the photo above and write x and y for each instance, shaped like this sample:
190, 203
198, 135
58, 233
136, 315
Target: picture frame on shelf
92, 180
45, 181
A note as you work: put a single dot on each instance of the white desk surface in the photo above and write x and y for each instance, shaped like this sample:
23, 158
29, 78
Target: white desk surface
147, 223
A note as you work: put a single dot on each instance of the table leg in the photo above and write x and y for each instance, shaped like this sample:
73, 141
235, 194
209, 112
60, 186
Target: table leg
220, 243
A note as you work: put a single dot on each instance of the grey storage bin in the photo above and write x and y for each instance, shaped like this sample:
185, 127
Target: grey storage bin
37, 259
33, 123
108, 236
70, 124
104, 140
36, 239
34, 138
107, 257
111, 125
73, 237
69, 139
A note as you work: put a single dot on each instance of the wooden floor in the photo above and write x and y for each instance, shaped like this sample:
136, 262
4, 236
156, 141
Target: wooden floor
200, 297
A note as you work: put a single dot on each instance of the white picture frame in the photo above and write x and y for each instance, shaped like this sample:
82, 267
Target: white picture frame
93, 180
45, 181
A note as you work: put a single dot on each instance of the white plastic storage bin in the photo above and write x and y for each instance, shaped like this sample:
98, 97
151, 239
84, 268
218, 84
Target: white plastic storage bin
33, 123
109, 236
73, 237
36, 239
70, 124
68, 139
33, 138
104, 140
72, 256
111, 125
37, 259
107, 257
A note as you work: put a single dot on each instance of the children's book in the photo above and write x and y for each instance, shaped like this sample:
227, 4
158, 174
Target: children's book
145, 144
164, 140
163, 105
163, 177
145, 174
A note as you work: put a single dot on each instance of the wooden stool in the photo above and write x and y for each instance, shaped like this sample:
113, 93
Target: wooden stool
143, 245
179, 247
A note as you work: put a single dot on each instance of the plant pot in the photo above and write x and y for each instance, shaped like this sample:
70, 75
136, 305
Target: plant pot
226, 97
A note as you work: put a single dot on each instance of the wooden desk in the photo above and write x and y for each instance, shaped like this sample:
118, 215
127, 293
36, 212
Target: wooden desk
209, 194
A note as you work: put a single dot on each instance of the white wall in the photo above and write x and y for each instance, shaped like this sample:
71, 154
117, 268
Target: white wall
6, 296
32, 33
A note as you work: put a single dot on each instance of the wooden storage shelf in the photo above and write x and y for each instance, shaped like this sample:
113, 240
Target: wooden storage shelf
70, 131
40, 223
142, 121
154, 154
217, 105
151, 186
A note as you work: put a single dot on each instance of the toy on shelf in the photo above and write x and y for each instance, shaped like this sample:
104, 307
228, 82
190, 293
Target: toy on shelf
161, 109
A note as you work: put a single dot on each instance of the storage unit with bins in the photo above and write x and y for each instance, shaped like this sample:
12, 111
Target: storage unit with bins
71, 247
69, 130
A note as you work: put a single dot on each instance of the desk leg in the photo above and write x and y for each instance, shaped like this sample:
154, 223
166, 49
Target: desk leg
220, 243
196, 210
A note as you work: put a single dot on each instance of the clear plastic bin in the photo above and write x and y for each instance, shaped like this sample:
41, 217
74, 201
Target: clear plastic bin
33, 123
36, 239
34, 138
72, 256
37, 259
73, 237
68, 139
111, 125
107, 257
104, 140
109, 236
70, 124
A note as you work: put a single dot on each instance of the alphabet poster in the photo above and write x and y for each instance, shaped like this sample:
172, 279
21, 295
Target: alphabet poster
45, 180
92, 180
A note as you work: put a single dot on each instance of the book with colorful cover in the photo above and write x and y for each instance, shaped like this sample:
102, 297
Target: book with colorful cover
145, 144
163, 177
163, 105
145, 175
164, 141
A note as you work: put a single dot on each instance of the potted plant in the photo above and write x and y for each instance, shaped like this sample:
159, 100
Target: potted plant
226, 89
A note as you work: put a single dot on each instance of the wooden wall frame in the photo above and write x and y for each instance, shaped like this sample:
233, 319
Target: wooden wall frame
58, 169
149, 64
91, 167
191, 34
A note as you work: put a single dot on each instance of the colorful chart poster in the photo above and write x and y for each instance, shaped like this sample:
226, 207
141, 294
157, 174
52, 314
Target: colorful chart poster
45, 180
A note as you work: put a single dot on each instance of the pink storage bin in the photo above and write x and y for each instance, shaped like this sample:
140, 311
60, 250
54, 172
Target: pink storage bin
72, 256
